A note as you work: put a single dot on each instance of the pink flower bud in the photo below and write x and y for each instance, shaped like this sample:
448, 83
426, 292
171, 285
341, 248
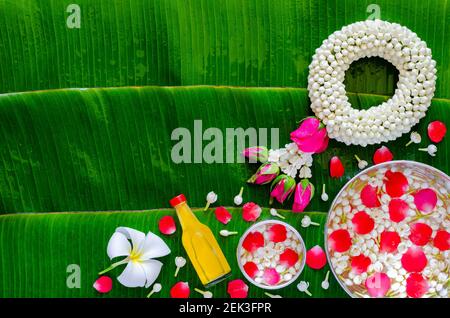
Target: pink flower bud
255, 154
311, 136
282, 188
304, 192
265, 174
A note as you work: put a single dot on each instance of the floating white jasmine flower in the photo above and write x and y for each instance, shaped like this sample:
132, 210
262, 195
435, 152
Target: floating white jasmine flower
141, 270
306, 222
238, 198
325, 284
389, 120
431, 149
324, 195
272, 296
361, 163
206, 294
180, 262
155, 289
415, 138
211, 198
274, 212
303, 287
226, 233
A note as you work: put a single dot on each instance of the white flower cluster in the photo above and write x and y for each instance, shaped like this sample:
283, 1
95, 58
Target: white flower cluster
292, 161
389, 120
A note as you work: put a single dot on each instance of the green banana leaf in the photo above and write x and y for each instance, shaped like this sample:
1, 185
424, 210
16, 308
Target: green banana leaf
110, 149
36, 250
198, 42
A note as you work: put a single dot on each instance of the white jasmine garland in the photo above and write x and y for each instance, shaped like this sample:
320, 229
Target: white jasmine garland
389, 120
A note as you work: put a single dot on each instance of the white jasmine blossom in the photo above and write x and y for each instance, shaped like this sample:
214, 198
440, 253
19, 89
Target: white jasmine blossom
325, 284
155, 289
180, 262
274, 212
303, 287
324, 195
206, 294
226, 233
211, 198
361, 163
415, 138
238, 198
431, 149
306, 222
305, 173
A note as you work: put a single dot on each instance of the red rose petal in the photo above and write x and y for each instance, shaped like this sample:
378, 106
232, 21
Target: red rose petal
180, 290
360, 263
289, 257
369, 196
271, 276
398, 210
336, 167
251, 269
425, 200
378, 284
420, 233
442, 240
436, 131
340, 240
103, 284
416, 285
362, 223
222, 215
316, 258
237, 289
167, 225
396, 184
251, 212
253, 241
382, 154
414, 260
389, 241
277, 233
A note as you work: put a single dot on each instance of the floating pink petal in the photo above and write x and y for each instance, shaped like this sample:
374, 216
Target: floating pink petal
420, 233
414, 260
396, 184
103, 284
167, 225
425, 200
277, 233
337, 169
382, 154
271, 276
369, 196
389, 241
222, 215
436, 131
251, 212
360, 263
237, 289
253, 241
251, 269
340, 240
398, 210
289, 257
316, 258
442, 240
416, 285
180, 290
378, 285
362, 223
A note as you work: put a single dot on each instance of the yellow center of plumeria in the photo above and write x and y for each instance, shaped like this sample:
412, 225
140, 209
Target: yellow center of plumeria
135, 256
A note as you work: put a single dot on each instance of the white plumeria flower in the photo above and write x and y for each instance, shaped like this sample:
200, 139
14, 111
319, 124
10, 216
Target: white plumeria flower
205, 293
155, 289
415, 138
361, 163
180, 262
142, 269
431, 149
211, 198
305, 173
306, 222
226, 233
325, 284
272, 296
238, 198
303, 287
324, 195
274, 212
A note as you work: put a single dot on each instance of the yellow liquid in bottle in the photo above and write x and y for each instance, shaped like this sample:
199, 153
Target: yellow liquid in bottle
201, 247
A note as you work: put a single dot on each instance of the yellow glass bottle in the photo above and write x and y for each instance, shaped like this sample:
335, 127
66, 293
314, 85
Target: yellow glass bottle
200, 244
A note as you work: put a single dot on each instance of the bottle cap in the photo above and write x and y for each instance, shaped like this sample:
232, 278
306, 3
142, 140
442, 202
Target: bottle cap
177, 200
